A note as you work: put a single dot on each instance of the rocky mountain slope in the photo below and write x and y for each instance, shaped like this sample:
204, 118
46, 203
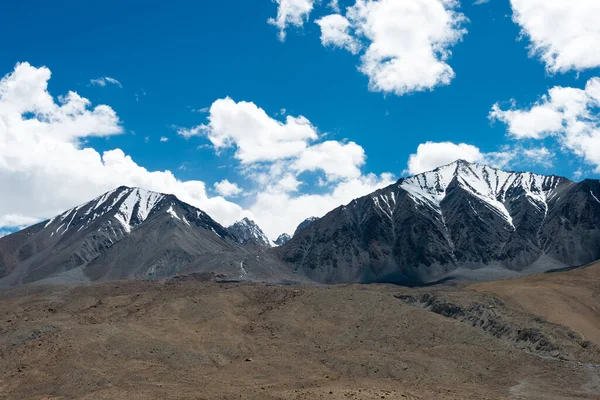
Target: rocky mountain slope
130, 233
304, 224
460, 220
282, 239
248, 232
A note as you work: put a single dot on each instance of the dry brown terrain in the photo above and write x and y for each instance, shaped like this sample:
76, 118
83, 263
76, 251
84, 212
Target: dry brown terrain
571, 299
533, 338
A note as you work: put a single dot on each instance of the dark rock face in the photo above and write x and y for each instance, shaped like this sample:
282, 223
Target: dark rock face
282, 239
131, 233
304, 224
248, 232
462, 219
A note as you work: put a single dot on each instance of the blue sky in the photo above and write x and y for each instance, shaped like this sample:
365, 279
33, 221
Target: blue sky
175, 58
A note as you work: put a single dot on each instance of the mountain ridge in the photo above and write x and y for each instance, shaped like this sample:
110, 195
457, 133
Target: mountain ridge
130, 233
461, 216
461, 220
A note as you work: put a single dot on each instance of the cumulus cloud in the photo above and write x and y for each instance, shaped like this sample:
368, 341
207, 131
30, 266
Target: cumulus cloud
255, 135
274, 155
335, 32
537, 123
294, 208
431, 155
406, 43
43, 158
569, 115
227, 189
284, 146
563, 34
164, 139
335, 159
103, 81
291, 13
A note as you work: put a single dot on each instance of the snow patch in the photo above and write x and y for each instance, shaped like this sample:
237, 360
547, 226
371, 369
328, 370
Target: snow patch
173, 213
490, 185
141, 200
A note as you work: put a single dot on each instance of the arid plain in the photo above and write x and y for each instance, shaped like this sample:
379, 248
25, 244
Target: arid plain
530, 338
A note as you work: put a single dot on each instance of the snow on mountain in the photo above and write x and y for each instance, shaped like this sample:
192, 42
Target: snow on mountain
449, 222
138, 201
490, 185
247, 230
134, 207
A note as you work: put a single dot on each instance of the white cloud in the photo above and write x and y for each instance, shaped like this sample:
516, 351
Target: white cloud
104, 80
563, 33
410, 42
431, 155
335, 5
291, 13
335, 31
480, 2
256, 136
570, 115
337, 160
538, 122
407, 43
190, 132
227, 189
294, 208
42, 158
259, 139
274, 155
164, 139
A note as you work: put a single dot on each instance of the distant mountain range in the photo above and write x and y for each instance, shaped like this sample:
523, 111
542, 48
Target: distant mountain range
461, 220
131, 233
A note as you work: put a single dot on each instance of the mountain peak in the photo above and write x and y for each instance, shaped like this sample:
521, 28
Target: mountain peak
282, 239
247, 230
305, 224
486, 183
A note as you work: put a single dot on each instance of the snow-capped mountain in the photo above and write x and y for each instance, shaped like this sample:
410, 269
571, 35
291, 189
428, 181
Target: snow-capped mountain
129, 233
492, 186
124, 209
282, 239
247, 231
455, 220
460, 220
